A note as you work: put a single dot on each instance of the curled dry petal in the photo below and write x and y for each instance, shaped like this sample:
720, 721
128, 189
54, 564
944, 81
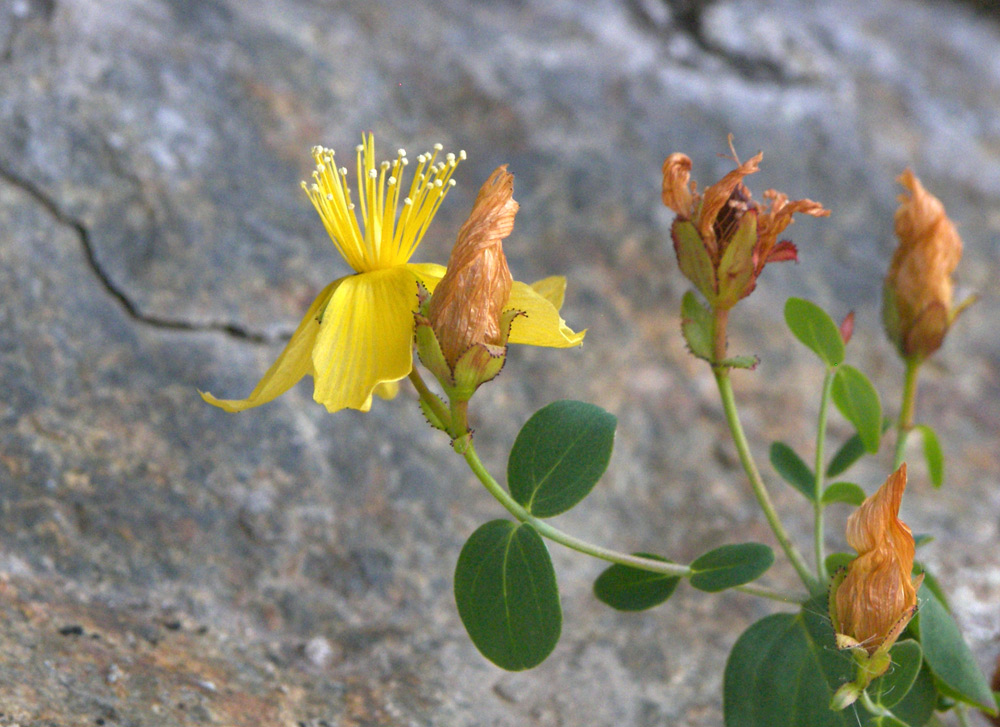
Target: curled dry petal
718, 196
679, 190
773, 221
466, 306
878, 597
918, 285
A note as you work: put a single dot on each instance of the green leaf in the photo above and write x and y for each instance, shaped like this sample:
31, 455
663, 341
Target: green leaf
850, 452
696, 326
933, 454
888, 721
921, 539
890, 688
847, 492
858, 401
627, 588
949, 657
793, 470
931, 583
783, 671
918, 705
730, 566
815, 328
559, 455
505, 588
836, 561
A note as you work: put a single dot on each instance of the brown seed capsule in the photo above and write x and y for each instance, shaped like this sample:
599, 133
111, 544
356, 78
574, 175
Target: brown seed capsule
878, 597
917, 301
467, 304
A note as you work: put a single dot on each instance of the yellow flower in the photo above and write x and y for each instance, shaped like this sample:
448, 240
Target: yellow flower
878, 596
356, 339
917, 296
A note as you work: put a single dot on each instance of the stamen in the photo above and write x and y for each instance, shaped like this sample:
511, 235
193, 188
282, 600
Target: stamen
438, 147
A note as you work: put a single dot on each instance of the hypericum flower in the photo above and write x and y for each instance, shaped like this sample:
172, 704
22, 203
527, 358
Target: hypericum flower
356, 339
872, 605
917, 296
723, 239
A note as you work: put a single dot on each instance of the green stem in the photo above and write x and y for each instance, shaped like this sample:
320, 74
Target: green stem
750, 467
963, 715
552, 533
824, 408
905, 422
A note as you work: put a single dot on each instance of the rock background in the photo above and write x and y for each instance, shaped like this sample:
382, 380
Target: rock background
164, 563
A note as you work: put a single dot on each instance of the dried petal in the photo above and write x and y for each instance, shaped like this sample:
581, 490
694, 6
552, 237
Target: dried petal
717, 197
466, 306
878, 597
679, 191
918, 287
773, 221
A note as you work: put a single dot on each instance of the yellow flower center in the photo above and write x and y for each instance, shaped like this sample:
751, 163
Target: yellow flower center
385, 236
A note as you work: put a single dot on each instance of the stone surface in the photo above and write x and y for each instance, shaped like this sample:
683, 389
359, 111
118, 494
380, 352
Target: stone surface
164, 563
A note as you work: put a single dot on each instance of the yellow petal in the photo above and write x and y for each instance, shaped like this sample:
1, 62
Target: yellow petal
541, 325
387, 390
366, 338
429, 274
552, 288
293, 363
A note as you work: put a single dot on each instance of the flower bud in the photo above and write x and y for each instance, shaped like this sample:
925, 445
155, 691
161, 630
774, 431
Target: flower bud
462, 330
723, 239
917, 296
871, 606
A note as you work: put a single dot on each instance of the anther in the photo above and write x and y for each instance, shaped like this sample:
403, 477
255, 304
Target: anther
401, 152
438, 147
372, 173
359, 147
461, 154
407, 201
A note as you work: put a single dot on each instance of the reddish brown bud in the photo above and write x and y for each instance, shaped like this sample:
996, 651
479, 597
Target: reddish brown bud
917, 296
467, 304
847, 328
877, 598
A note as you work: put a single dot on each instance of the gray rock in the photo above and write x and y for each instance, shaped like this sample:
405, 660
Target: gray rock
154, 241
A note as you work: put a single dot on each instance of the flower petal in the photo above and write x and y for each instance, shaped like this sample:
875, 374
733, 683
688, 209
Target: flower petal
366, 338
429, 274
541, 324
293, 363
552, 288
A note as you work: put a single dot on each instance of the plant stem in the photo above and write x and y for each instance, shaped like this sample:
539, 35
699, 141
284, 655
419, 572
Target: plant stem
552, 533
824, 408
905, 422
427, 396
873, 708
749, 466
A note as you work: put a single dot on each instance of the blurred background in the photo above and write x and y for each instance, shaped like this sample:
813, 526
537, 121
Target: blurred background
165, 563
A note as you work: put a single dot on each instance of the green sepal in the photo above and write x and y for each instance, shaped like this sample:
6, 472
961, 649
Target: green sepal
693, 258
432, 418
428, 349
736, 267
696, 327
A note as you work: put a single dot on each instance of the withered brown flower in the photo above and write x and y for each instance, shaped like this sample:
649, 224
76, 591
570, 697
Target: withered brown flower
917, 296
878, 597
466, 306
723, 239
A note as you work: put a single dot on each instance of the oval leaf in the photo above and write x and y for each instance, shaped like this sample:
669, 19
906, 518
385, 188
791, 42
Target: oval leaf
858, 401
730, 566
631, 589
890, 688
932, 454
505, 588
948, 656
559, 455
850, 452
815, 328
783, 671
847, 492
793, 470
